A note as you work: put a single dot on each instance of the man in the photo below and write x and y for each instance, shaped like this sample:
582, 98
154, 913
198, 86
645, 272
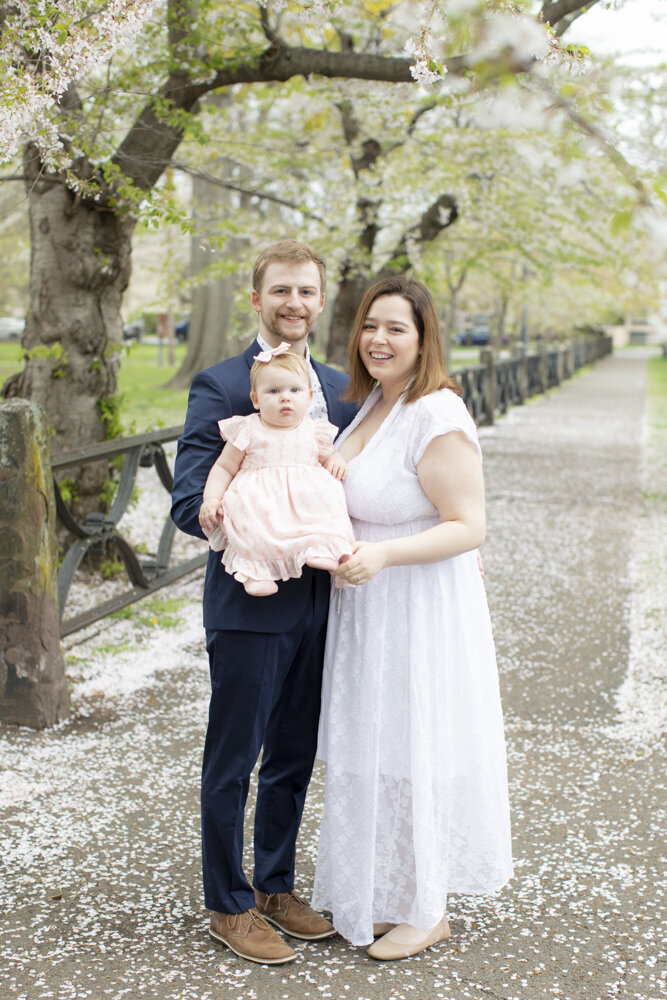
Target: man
265, 653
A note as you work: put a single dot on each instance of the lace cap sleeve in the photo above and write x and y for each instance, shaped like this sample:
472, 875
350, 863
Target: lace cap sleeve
236, 430
439, 413
324, 437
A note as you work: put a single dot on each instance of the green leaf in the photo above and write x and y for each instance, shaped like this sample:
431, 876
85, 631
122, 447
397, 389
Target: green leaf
621, 222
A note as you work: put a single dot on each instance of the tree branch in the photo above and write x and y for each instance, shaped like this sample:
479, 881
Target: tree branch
440, 215
253, 193
561, 13
429, 106
269, 33
594, 133
152, 141
565, 23
412, 125
180, 15
46, 179
350, 122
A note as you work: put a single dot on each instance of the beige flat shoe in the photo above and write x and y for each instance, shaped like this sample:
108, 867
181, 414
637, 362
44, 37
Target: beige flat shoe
405, 940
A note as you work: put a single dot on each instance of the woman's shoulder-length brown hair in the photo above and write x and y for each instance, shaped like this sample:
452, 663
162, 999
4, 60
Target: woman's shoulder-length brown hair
431, 369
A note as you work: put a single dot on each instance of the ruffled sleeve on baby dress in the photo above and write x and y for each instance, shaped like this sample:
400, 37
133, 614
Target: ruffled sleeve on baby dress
236, 430
324, 437
437, 414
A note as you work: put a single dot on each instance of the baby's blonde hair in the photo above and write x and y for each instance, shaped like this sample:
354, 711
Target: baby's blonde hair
289, 360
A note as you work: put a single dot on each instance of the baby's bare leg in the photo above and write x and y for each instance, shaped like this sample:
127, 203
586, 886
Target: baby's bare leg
323, 562
257, 588
260, 588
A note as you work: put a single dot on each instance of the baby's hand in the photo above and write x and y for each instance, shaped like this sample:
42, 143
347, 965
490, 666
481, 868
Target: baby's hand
210, 514
336, 465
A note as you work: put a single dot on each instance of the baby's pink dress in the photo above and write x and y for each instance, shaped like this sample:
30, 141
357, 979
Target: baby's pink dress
282, 508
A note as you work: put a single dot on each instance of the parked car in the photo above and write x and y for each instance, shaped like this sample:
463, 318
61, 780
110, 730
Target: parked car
133, 331
477, 332
476, 335
11, 328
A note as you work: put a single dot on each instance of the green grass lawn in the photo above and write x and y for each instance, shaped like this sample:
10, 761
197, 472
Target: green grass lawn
657, 393
460, 357
146, 404
10, 359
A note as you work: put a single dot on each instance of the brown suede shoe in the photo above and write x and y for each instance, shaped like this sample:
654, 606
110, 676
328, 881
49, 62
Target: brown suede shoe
293, 915
249, 936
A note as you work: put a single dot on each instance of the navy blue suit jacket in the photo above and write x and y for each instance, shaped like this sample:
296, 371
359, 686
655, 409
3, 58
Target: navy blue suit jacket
216, 393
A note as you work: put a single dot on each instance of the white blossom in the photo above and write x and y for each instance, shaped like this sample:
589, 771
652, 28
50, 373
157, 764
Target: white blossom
510, 108
69, 44
457, 8
522, 36
654, 222
423, 70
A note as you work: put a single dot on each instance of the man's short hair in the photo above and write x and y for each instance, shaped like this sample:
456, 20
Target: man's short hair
288, 252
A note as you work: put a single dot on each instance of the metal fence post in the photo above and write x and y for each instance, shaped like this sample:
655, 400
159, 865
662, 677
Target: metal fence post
568, 367
487, 357
519, 354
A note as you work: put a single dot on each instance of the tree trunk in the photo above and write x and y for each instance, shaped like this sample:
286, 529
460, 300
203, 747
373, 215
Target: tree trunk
355, 281
449, 328
451, 314
79, 269
351, 289
499, 317
208, 340
213, 302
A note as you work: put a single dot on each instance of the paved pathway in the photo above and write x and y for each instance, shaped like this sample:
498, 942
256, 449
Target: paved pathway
100, 893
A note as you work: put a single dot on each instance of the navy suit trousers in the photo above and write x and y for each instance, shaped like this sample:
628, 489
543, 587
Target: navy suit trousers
265, 692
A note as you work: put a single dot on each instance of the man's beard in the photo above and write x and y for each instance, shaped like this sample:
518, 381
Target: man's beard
284, 330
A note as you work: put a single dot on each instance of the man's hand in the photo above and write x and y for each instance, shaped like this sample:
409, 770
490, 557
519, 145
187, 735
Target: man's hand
210, 515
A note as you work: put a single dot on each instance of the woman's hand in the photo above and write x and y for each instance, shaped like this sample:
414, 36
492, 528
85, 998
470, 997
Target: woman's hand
367, 559
210, 515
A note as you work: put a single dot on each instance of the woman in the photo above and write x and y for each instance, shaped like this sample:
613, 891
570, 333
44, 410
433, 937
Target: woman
416, 799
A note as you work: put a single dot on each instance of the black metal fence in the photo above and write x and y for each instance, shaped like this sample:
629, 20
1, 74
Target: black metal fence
493, 385
146, 572
489, 389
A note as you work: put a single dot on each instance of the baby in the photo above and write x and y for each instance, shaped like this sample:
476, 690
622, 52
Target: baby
273, 500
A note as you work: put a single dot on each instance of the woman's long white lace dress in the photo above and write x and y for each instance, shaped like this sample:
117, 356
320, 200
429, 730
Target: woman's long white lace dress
416, 802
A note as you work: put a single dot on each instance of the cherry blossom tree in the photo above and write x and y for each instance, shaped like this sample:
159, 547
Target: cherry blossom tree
44, 49
113, 104
398, 169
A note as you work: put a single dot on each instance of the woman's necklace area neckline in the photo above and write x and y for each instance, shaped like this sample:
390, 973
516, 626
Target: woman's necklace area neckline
390, 409
387, 403
384, 407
